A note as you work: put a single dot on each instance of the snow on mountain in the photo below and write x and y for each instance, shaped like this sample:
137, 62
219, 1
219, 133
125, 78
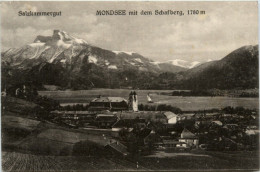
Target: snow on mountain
61, 43
37, 44
80, 41
56, 54
49, 48
156, 63
75, 40
63, 49
184, 63
179, 62
138, 60
118, 52
36, 49
92, 59
193, 64
70, 39
106, 62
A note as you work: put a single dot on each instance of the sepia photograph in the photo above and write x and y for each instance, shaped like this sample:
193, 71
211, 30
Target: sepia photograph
129, 86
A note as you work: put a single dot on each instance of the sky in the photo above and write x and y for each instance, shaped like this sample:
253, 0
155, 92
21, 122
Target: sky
225, 27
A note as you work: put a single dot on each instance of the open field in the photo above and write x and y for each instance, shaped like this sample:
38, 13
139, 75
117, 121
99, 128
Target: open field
204, 160
18, 122
50, 140
17, 105
73, 137
158, 96
14, 161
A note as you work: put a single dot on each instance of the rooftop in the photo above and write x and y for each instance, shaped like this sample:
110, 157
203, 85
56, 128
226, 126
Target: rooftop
217, 122
109, 99
118, 147
170, 115
106, 115
129, 123
72, 112
186, 134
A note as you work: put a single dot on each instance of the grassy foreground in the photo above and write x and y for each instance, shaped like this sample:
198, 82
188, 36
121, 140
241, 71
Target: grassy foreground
13, 161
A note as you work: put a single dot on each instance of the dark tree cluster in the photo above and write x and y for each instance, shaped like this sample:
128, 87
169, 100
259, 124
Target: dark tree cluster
160, 107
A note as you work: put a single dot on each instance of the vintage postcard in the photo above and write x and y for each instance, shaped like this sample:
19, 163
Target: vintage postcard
127, 86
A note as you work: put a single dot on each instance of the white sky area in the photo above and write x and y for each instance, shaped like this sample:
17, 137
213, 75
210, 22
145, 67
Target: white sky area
225, 27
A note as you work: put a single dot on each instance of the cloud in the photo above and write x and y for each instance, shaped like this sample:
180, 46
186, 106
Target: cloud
225, 27
212, 36
17, 36
19, 32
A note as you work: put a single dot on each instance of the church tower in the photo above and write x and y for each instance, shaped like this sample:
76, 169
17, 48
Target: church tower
133, 101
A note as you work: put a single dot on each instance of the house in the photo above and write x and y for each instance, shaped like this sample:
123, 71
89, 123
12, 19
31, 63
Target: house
127, 124
105, 120
215, 126
182, 145
166, 142
153, 139
253, 116
72, 114
172, 118
208, 116
213, 116
216, 122
170, 143
202, 124
164, 117
158, 127
108, 103
231, 127
189, 138
187, 116
252, 130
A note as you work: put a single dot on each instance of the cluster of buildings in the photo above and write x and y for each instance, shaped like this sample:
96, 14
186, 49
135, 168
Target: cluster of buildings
218, 131
117, 114
159, 129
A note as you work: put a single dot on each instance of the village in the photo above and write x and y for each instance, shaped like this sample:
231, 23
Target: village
146, 132
130, 86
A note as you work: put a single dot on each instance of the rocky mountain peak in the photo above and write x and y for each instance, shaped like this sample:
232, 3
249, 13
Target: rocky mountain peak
59, 35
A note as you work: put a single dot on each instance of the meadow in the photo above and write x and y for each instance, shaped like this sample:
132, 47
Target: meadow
245, 161
158, 97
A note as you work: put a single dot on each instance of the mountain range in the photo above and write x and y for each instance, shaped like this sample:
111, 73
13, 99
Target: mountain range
61, 48
239, 69
73, 63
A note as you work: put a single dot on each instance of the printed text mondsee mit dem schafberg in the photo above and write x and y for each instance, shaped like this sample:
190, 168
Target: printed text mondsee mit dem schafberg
142, 12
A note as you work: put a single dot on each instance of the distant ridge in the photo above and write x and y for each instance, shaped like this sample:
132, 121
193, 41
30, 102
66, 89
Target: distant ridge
69, 62
239, 69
